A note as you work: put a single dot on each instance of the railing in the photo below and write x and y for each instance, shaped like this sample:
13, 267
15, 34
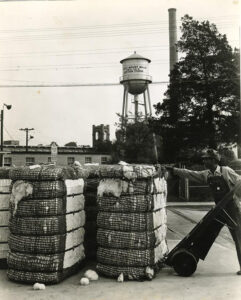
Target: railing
136, 77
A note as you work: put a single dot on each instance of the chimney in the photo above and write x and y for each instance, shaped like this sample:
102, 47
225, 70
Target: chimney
172, 37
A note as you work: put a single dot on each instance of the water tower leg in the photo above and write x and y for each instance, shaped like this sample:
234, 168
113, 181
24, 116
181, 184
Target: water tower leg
149, 99
145, 104
123, 108
126, 106
136, 107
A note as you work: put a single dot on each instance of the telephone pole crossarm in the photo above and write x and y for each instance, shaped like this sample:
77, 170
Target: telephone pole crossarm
27, 139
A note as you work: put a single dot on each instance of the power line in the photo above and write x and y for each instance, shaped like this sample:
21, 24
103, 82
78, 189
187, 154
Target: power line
101, 34
75, 53
8, 132
62, 67
108, 33
71, 85
83, 36
29, 81
113, 27
130, 24
84, 27
105, 84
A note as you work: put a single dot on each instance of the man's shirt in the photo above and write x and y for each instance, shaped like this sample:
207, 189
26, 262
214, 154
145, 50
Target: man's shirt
230, 176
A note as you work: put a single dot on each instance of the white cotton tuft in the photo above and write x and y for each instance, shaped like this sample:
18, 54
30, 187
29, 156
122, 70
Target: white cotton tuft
39, 286
120, 278
76, 163
84, 281
91, 275
112, 187
20, 190
123, 163
149, 273
34, 167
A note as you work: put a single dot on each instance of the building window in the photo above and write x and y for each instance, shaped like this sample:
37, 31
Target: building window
103, 159
70, 161
88, 160
7, 161
30, 161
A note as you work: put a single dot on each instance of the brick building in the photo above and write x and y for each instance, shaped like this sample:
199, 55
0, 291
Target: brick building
18, 156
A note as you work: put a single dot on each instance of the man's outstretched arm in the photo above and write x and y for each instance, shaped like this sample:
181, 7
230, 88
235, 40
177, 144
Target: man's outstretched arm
196, 176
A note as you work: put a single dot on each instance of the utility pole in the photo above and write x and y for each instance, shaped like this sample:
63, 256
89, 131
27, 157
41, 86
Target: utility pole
27, 139
2, 117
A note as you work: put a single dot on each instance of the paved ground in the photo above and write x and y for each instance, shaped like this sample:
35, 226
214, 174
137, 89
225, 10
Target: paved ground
215, 278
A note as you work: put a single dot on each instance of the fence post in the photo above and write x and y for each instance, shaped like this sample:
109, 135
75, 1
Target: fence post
186, 184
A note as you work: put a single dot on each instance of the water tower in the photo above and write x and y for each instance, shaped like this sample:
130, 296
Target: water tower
135, 80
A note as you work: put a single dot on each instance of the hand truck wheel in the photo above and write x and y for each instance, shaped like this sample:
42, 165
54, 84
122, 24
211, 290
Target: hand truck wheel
184, 262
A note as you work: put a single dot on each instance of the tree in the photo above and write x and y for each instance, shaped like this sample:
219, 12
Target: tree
71, 144
135, 143
201, 107
103, 146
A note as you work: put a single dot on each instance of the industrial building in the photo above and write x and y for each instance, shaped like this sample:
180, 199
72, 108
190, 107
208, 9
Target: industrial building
16, 155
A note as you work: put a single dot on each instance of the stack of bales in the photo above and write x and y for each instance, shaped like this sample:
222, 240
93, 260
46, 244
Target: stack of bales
131, 221
4, 214
46, 224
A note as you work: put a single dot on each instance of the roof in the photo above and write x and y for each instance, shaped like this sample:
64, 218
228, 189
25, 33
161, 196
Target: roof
135, 56
47, 150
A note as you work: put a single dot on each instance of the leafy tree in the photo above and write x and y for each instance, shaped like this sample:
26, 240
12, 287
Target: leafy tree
135, 143
103, 146
201, 107
71, 144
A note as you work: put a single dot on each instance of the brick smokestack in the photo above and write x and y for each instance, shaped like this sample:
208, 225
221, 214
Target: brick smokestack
172, 37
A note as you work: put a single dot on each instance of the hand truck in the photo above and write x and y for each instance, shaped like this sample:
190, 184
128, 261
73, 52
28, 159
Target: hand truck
185, 256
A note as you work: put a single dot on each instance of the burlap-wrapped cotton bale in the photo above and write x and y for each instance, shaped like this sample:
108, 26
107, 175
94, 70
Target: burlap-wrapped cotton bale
47, 244
131, 240
46, 224
118, 187
132, 203
131, 221
47, 173
132, 257
49, 207
30, 195
43, 277
127, 171
4, 217
46, 262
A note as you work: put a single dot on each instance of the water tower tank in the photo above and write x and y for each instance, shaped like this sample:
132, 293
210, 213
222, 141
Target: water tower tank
135, 73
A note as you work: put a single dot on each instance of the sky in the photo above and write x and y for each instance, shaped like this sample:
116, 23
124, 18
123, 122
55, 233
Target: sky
82, 43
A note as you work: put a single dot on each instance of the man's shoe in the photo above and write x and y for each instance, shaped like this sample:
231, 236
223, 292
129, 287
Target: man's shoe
239, 272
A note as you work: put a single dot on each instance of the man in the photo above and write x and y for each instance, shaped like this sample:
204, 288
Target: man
221, 180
